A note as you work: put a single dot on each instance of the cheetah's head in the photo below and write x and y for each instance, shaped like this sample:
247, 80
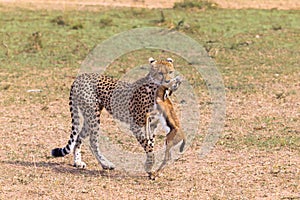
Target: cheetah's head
161, 71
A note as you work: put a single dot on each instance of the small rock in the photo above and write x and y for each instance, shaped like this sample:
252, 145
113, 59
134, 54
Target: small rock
34, 90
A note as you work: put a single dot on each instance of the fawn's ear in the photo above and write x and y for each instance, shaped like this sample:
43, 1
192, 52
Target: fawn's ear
170, 60
151, 60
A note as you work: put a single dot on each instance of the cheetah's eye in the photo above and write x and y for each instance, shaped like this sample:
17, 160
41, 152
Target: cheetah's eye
171, 72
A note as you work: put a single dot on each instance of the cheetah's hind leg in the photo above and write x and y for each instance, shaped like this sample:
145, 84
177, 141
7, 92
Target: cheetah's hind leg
94, 129
94, 146
77, 148
75, 140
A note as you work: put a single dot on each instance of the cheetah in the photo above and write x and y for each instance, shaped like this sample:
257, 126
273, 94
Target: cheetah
137, 104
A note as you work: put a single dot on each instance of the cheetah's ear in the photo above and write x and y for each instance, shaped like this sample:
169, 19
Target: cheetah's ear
170, 60
151, 60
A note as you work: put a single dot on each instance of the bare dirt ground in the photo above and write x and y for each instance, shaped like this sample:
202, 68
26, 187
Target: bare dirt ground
226, 173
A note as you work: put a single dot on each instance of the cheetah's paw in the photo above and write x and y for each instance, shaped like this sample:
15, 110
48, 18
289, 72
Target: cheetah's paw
108, 165
79, 165
152, 175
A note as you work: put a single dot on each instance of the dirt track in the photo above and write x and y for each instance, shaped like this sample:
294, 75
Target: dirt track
81, 5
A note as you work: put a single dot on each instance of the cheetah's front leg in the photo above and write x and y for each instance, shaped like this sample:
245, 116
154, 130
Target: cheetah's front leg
148, 146
152, 120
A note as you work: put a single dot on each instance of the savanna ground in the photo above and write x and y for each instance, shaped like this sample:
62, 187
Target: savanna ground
256, 51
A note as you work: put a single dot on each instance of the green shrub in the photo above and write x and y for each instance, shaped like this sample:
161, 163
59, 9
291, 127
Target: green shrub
200, 4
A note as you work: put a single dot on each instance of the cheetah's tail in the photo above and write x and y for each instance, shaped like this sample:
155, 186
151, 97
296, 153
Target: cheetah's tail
61, 152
